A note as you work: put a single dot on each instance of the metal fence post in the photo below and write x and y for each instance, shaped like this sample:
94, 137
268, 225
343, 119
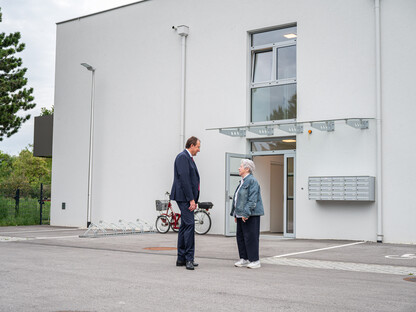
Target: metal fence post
41, 203
17, 199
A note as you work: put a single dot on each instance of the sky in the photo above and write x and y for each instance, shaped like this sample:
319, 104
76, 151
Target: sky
36, 21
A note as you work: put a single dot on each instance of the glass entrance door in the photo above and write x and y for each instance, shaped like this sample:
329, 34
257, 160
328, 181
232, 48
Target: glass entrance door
232, 178
289, 195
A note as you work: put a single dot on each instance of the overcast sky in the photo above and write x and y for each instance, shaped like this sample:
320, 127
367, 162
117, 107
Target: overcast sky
36, 21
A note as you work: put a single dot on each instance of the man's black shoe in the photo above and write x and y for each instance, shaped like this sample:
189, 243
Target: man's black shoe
189, 265
183, 263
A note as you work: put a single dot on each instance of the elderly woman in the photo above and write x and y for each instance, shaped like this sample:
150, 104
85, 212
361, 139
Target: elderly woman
247, 209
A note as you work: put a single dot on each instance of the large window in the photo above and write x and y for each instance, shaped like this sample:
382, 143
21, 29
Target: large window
273, 75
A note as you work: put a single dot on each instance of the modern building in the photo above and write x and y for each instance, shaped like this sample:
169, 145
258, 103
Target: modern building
320, 94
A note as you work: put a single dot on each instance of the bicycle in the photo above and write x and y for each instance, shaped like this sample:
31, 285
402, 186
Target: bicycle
168, 218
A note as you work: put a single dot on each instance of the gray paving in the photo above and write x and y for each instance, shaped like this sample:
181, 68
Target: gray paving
47, 268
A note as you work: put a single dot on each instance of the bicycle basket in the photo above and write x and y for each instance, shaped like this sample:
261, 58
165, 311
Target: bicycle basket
205, 205
162, 205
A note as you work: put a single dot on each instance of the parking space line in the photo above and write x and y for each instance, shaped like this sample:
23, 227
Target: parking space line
315, 250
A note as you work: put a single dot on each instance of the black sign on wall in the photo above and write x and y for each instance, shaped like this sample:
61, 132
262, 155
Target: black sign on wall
43, 134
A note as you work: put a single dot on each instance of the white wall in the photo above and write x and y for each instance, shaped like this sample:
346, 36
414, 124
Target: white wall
137, 56
398, 112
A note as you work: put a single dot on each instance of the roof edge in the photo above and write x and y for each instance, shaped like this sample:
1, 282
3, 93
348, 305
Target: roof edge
96, 13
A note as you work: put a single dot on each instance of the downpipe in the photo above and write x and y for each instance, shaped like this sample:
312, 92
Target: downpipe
378, 124
182, 31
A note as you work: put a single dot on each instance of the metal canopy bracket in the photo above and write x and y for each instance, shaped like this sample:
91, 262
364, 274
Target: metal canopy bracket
235, 132
295, 127
291, 128
324, 125
262, 130
357, 123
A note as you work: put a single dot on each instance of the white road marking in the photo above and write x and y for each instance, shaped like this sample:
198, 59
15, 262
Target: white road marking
14, 239
344, 266
56, 237
11, 239
402, 257
39, 231
320, 249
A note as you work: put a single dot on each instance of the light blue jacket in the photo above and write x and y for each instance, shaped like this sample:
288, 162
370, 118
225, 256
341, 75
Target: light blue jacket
248, 199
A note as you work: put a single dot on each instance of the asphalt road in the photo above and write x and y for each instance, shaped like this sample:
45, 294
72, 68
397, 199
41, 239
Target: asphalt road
47, 268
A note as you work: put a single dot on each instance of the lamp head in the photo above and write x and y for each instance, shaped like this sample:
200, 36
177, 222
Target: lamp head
88, 66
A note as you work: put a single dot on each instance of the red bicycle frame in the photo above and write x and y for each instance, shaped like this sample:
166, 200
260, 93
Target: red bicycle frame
173, 216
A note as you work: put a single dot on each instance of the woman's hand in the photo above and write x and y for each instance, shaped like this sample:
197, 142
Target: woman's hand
244, 219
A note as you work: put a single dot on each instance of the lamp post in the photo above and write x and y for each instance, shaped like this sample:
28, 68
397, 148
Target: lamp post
92, 70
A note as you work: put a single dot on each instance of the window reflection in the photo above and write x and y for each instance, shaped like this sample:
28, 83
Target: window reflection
273, 103
273, 145
263, 66
277, 35
286, 62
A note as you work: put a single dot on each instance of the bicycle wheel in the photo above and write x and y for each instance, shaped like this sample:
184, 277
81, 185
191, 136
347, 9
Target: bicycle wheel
162, 224
202, 222
176, 229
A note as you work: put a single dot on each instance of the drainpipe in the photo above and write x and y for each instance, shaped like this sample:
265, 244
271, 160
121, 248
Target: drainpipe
182, 31
378, 126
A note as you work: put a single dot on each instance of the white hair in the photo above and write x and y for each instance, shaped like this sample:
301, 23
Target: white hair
248, 164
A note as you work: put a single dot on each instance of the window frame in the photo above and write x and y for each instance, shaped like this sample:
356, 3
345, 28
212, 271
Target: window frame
274, 81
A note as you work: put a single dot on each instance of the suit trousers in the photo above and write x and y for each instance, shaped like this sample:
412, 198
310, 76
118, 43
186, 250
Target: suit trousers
248, 235
186, 235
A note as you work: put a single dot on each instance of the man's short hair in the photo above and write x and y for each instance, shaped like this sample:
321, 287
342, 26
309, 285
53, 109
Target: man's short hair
192, 141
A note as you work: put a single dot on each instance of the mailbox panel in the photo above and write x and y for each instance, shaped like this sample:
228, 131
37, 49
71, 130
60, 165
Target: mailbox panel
359, 188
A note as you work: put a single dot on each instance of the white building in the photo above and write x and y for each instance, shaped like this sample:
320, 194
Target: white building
278, 68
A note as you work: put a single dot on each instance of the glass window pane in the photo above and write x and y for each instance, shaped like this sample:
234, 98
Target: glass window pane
234, 181
263, 66
278, 35
273, 103
290, 162
273, 145
286, 62
290, 187
235, 163
289, 216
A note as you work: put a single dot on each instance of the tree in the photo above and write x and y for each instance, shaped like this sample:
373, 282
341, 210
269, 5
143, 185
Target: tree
24, 172
45, 112
13, 96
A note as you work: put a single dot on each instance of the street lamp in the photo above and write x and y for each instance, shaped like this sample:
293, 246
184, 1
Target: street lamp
92, 70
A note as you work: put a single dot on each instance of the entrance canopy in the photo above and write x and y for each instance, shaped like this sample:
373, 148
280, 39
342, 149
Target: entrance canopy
293, 127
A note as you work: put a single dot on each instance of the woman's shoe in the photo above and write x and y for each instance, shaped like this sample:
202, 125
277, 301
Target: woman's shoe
254, 265
241, 263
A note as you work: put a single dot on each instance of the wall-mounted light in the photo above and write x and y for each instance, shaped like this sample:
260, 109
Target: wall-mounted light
290, 36
289, 141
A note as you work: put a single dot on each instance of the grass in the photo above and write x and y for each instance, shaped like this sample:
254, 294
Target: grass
27, 214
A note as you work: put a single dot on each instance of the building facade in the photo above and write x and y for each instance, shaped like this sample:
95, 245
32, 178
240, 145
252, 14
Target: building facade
318, 93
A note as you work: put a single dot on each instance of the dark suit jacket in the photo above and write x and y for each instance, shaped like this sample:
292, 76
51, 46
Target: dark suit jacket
186, 179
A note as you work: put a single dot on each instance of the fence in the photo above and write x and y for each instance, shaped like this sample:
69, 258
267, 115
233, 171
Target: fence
24, 210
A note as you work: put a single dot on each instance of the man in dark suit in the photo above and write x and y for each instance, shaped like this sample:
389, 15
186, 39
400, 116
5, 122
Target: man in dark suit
185, 191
